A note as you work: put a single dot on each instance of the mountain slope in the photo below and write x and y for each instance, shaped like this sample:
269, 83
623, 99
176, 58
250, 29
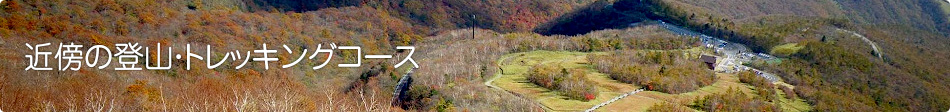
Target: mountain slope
836, 73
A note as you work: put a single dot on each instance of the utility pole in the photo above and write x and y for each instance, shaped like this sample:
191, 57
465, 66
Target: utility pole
474, 24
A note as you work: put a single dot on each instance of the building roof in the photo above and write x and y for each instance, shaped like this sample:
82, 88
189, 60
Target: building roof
708, 59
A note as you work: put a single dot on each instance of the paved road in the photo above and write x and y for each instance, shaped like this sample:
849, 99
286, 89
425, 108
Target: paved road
402, 86
732, 54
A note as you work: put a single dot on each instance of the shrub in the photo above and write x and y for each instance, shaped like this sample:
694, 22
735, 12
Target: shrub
668, 72
419, 97
789, 93
572, 83
734, 100
544, 75
668, 107
754, 80
763, 87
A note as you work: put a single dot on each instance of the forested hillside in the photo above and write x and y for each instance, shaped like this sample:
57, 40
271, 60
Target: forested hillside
837, 72
234, 25
822, 52
498, 15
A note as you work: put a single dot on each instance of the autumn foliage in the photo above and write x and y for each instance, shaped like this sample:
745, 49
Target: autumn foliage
666, 71
572, 83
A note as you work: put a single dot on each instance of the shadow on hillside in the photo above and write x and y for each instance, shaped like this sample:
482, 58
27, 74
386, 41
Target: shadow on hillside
597, 16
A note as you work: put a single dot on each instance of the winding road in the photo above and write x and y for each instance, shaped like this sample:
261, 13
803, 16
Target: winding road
402, 86
730, 51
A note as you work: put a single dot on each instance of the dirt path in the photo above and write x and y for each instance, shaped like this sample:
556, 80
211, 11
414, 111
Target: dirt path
497, 75
613, 100
866, 40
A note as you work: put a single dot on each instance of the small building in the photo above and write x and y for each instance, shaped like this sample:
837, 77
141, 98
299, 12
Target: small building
709, 60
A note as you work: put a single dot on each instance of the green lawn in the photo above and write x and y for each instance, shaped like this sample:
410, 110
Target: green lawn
786, 49
512, 78
945, 6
